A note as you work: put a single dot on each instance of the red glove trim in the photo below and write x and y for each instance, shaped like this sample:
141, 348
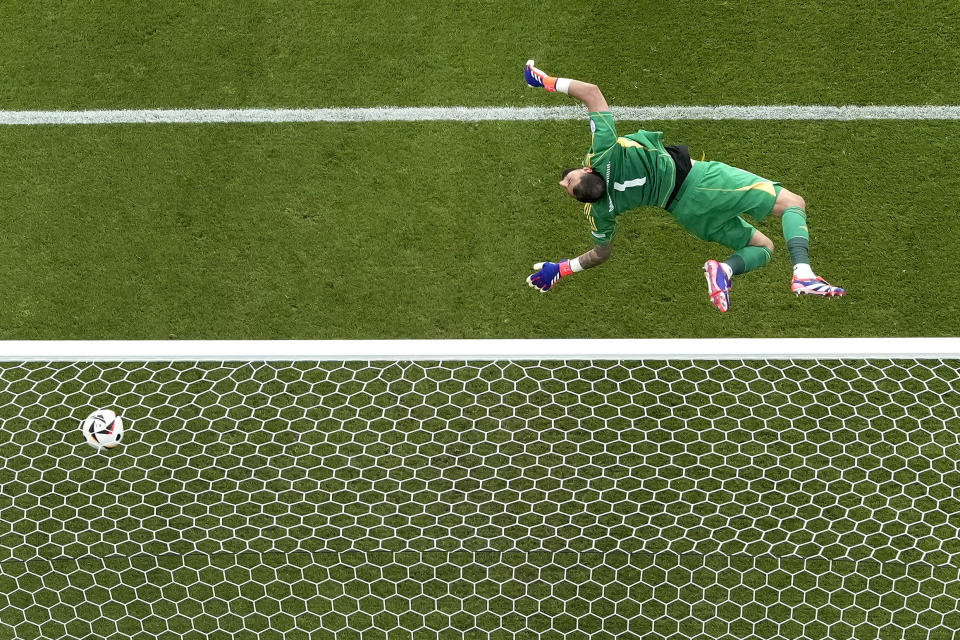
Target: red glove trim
565, 269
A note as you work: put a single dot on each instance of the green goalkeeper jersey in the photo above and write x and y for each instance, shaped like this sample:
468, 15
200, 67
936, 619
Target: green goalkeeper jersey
637, 169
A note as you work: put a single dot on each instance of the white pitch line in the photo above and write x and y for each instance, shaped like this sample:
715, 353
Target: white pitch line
474, 114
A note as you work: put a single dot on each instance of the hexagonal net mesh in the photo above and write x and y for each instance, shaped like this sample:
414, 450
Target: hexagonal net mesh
549, 499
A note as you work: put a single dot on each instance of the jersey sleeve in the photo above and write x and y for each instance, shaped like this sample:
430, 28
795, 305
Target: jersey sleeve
604, 132
602, 225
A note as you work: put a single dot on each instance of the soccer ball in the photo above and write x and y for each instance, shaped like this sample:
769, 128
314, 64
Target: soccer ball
102, 429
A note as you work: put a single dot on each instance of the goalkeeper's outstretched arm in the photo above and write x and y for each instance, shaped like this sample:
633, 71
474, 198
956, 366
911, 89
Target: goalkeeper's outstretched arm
548, 273
588, 94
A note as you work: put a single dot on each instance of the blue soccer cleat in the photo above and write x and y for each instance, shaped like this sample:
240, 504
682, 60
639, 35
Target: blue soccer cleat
718, 285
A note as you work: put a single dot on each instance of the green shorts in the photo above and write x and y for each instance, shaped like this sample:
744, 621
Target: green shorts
715, 195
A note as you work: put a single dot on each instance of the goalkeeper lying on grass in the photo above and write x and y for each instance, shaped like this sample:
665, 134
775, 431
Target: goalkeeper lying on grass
707, 198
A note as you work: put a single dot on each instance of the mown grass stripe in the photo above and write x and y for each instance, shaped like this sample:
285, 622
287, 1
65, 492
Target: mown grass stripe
473, 114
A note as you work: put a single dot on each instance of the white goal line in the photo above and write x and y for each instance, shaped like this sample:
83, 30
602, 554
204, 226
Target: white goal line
474, 114
480, 350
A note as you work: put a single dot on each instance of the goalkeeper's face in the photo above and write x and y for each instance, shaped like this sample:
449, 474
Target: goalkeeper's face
570, 178
584, 184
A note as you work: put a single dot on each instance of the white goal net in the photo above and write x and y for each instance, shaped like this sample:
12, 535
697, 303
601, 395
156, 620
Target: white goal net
556, 489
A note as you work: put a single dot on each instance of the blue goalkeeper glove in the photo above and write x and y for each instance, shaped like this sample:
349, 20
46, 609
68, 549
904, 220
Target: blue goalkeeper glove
537, 78
547, 274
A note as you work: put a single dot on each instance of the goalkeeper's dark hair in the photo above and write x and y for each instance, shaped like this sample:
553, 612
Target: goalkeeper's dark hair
591, 188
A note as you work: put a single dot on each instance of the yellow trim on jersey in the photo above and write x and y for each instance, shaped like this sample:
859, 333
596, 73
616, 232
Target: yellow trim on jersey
588, 211
627, 143
766, 187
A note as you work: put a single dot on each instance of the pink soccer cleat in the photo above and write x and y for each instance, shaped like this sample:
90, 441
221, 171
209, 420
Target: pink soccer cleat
815, 286
718, 285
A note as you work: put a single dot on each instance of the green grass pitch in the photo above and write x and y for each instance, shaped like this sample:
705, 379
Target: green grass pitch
432, 510
385, 230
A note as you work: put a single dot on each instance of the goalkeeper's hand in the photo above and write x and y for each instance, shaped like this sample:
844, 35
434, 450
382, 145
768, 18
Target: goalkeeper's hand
537, 78
547, 274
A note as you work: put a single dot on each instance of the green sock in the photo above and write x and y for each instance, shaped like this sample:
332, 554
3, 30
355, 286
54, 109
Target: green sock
748, 259
794, 221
